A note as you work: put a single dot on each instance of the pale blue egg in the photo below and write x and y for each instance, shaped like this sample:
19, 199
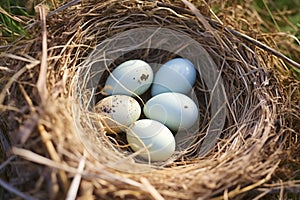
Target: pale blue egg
153, 140
177, 111
176, 75
129, 78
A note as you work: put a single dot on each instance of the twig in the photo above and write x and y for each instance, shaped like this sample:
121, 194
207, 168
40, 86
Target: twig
264, 47
238, 34
155, 194
71, 3
76, 181
196, 12
15, 190
41, 83
34, 157
7, 162
259, 44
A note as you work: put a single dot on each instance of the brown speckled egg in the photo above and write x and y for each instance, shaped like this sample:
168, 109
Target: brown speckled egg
118, 111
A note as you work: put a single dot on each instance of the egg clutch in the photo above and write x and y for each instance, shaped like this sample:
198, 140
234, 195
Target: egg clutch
169, 109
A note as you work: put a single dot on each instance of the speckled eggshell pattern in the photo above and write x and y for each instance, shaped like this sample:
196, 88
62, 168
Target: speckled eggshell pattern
132, 76
121, 111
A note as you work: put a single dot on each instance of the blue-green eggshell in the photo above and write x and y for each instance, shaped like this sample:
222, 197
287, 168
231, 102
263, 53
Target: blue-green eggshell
176, 75
177, 111
153, 139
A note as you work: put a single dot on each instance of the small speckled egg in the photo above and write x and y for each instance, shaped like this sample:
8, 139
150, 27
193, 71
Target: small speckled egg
177, 111
176, 75
120, 110
155, 141
132, 76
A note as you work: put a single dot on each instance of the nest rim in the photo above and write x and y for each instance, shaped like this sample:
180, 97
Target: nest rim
246, 140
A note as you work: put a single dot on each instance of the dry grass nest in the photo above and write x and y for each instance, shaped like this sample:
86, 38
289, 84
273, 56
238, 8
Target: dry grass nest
45, 110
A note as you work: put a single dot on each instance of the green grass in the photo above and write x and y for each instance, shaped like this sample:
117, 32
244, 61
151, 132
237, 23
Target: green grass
10, 27
11, 14
14, 14
284, 14
270, 10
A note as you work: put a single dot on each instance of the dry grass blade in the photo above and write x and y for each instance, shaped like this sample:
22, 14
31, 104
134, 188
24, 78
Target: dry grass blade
239, 190
201, 18
53, 154
31, 64
61, 8
42, 160
41, 83
151, 189
72, 193
11, 16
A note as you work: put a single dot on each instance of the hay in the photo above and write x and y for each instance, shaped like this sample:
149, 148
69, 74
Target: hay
49, 161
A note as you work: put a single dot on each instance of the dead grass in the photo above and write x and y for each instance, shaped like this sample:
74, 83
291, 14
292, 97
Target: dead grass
252, 157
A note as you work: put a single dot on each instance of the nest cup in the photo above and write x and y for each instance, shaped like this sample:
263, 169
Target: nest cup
154, 44
228, 74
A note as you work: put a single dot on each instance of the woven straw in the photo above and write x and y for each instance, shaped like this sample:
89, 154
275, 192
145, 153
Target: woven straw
45, 103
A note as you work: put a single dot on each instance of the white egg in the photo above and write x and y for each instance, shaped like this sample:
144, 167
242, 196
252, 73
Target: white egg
177, 111
155, 141
132, 76
119, 111
176, 75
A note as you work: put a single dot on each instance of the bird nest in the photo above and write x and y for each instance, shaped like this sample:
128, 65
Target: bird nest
61, 147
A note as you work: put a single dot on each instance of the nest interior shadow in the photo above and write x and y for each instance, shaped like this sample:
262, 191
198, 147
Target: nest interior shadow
159, 57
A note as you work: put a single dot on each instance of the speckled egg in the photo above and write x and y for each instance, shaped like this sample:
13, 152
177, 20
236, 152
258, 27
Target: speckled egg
129, 78
177, 111
176, 75
153, 140
118, 111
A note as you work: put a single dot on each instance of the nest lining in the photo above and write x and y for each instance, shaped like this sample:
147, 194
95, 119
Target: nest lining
242, 156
